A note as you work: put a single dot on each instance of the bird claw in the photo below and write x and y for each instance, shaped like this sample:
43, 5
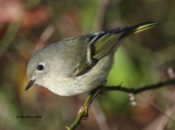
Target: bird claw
85, 110
67, 127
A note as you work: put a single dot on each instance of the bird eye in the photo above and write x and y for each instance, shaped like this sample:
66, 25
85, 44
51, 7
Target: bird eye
40, 67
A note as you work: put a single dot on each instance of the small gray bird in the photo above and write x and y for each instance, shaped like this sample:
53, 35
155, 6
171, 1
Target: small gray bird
78, 64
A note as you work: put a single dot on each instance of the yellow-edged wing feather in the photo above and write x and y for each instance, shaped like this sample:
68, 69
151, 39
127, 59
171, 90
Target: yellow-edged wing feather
107, 41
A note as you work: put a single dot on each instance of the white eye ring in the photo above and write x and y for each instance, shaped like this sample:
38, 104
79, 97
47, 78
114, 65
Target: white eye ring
40, 67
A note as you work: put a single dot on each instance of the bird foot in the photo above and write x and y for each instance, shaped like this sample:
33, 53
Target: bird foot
85, 110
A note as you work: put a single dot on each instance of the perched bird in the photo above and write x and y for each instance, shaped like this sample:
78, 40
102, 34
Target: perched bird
78, 64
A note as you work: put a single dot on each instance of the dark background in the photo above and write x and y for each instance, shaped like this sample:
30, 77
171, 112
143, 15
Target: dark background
146, 58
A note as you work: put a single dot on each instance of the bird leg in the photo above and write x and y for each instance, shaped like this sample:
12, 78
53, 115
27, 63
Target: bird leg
95, 93
86, 107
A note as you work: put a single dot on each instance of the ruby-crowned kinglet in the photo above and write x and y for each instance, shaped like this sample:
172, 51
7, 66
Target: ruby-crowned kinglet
78, 64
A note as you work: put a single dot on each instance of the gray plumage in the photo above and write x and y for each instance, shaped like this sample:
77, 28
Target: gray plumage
78, 64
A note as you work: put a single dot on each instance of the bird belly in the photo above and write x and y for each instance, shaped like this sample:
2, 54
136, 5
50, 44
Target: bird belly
92, 79
69, 86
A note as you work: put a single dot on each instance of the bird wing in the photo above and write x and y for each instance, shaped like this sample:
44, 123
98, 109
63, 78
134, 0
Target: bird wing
101, 43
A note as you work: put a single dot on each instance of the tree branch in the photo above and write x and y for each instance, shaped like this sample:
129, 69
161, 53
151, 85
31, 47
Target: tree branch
83, 111
140, 89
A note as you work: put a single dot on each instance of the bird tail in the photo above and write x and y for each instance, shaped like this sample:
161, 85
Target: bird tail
138, 28
110, 39
104, 42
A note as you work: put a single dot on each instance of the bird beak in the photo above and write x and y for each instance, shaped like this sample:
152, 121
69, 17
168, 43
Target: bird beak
31, 82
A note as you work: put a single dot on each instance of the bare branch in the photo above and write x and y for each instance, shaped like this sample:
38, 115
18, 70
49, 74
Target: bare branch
82, 111
9, 36
84, 108
140, 89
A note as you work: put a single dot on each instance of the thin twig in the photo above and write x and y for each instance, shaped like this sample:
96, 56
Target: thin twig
135, 91
99, 116
82, 112
140, 89
160, 122
101, 15
47, 33
9, 36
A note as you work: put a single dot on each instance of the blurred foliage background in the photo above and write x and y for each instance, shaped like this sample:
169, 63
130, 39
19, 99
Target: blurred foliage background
147, 58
